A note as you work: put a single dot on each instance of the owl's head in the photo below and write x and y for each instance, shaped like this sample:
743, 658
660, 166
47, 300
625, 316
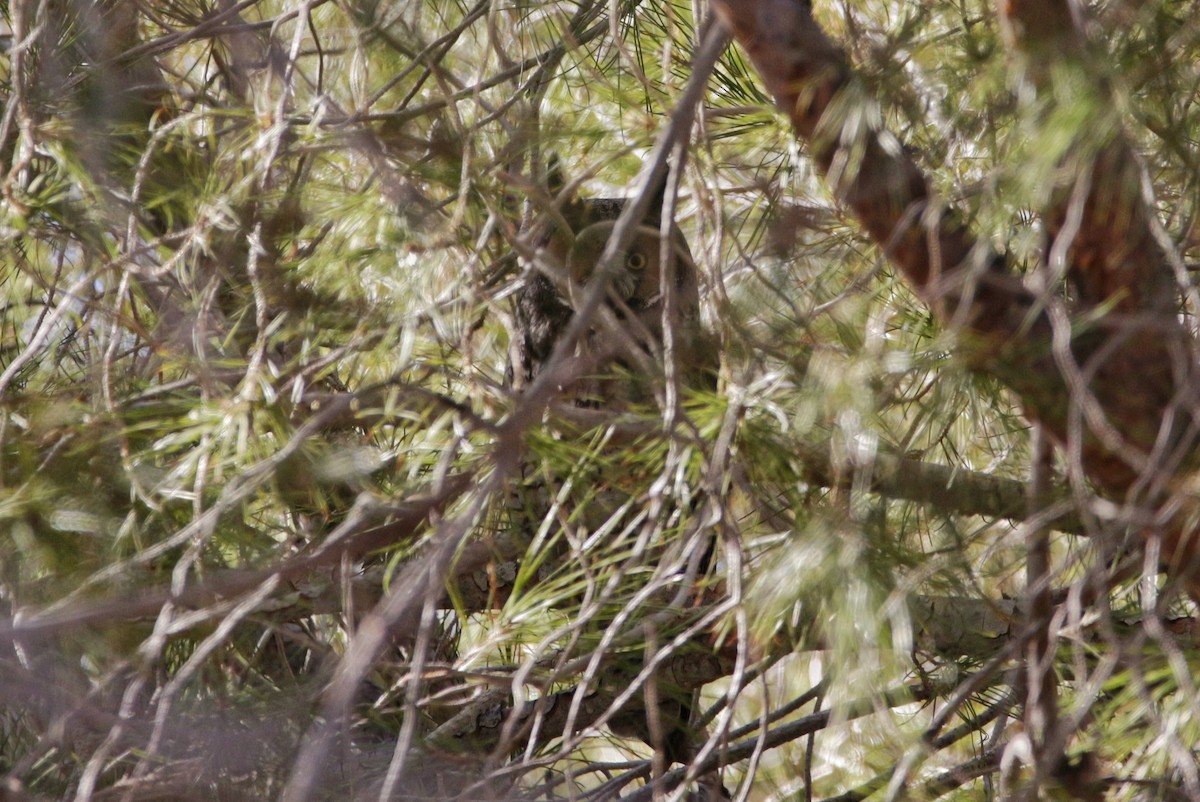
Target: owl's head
636, 285
637, 273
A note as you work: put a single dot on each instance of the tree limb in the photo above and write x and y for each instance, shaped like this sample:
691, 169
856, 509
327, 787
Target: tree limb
1073, 377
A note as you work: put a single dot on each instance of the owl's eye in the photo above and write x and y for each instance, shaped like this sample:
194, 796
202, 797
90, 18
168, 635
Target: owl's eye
635, 261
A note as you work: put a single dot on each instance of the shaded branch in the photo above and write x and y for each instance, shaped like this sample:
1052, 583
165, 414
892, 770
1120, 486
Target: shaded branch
362, 532
781, 735
954, 777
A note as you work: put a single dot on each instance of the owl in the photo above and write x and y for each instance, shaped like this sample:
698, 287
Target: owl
639, 284
637, 293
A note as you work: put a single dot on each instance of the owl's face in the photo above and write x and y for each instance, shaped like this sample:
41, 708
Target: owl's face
637, 276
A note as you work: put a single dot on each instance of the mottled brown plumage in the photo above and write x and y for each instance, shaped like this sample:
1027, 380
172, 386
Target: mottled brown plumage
637, 287
652, 288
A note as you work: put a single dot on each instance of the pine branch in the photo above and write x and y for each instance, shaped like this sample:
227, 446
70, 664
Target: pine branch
1074, 380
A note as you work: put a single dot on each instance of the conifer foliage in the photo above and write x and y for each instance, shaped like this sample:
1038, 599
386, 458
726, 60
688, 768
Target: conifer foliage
905, 510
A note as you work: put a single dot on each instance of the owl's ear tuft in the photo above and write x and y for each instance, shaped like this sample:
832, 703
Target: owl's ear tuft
658, 194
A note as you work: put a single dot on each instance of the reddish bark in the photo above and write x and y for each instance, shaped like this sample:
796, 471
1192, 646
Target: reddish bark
1112, 256
1113, 395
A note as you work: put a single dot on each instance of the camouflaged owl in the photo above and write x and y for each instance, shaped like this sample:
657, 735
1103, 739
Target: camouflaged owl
637, 288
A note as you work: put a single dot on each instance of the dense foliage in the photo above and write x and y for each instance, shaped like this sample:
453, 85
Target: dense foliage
274, 521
